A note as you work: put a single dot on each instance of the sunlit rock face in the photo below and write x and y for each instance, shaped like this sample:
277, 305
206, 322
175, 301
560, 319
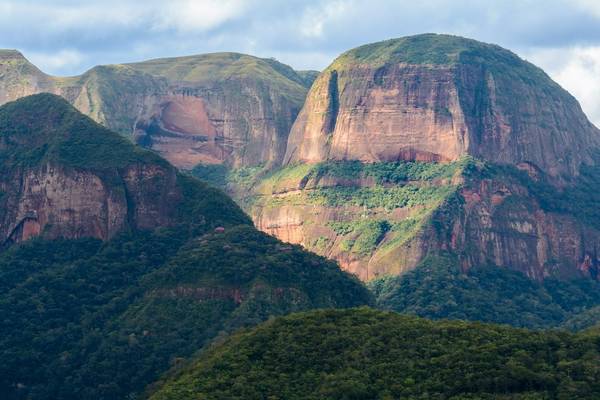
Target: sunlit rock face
438, 98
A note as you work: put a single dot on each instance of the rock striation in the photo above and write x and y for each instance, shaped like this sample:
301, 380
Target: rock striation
418, 103
438, 98
63, 175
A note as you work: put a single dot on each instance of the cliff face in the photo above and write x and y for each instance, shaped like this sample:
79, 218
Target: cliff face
389, 161
503, 219
65, 176
215, 108
438, 98
382, 219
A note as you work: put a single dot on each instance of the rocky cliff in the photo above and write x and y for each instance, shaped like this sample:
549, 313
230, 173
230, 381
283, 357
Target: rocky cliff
216, 108
438, 98
390, 160
64, 175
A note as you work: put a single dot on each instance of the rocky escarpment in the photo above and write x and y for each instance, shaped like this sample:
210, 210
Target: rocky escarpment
362, 180
513, 217
438, 98
368, 217
382, 219
63, 175
216, 108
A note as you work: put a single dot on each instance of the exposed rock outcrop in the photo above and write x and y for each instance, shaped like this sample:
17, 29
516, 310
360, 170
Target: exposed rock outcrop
438, 98
63, 175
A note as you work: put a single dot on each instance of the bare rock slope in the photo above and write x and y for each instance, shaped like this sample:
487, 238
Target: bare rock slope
438, 98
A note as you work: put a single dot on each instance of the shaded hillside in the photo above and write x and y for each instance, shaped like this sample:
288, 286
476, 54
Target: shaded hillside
438, 289
81, 319
366, 354
179, 264
63, 175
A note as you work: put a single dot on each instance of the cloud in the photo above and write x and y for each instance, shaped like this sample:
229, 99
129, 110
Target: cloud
56, 61
191, 16
576, 69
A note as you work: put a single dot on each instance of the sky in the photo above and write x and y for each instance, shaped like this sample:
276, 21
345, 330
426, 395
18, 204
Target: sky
66, 37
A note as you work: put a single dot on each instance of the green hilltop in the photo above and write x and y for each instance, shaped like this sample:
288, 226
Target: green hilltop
368, 354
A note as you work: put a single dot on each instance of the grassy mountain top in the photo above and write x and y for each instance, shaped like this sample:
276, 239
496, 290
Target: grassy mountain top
429, 48
46, 128
443, 50
14, 67
215, 67
367, 354
10, 53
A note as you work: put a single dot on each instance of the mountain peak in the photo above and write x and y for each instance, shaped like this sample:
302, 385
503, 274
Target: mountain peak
439, 98
427, 48
6, 54
49, 127
64, 175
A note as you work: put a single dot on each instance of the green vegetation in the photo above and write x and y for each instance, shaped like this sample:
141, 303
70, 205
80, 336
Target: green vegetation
580, 198
85, 319
365, 234
584, 320
225, 68
400, 184
308, 77
215, 174
223, 177
46, 128
367, 354
379, 197
437, 288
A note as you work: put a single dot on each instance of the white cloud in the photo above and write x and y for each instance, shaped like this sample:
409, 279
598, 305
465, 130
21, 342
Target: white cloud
577, 70
57, 61
314, 19
592, 6
194, 16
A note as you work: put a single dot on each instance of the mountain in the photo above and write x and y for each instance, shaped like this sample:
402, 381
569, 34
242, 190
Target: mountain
435, 143
366, 354
214, 108
117, 267
438, 98
63, 175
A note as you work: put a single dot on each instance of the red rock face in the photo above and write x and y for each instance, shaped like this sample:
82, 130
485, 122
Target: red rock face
396, 113
242, 119
441, 113
59, 202
500, 223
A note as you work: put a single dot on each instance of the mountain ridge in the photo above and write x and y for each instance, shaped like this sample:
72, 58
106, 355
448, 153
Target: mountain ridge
236, 109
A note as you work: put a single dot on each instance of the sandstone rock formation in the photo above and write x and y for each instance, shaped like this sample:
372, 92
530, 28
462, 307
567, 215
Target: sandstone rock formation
215, 108
438, 98
63, 175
